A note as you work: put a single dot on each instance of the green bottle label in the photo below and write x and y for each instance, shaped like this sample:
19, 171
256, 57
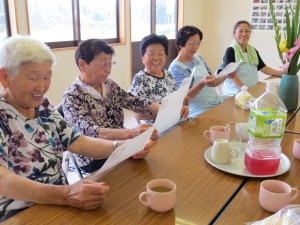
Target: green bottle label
267, 123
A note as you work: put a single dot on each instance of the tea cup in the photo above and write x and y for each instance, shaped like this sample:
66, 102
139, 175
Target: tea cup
275, 194
221, 151
217, 132
296, 148
160, 195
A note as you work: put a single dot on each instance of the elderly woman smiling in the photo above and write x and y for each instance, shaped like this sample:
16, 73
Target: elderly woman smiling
93, 104
249, 58
34, 136
154, 82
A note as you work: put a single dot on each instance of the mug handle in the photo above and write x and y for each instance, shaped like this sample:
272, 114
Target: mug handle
205, 134
234, 153
295, 195
141, 198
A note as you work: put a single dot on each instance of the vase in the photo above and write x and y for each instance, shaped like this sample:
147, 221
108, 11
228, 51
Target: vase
288, 91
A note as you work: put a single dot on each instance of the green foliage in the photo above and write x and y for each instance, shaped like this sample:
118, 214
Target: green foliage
291, 34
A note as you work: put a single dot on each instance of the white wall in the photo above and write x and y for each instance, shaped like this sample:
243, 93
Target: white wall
214, 17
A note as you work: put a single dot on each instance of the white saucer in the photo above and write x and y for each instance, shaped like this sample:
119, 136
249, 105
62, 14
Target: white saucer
237, 165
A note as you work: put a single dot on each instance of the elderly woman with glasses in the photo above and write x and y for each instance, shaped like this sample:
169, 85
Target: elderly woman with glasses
33, 136
202, 92
154, 82
94, 103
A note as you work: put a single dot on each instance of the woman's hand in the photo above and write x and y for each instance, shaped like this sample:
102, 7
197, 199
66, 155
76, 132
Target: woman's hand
185, 111
85, 194
186, 101
231, 75
209, 81
142, 128
142, 154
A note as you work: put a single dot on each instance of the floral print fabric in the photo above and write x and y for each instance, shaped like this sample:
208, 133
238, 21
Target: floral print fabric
32, 148
86, 110
145, 85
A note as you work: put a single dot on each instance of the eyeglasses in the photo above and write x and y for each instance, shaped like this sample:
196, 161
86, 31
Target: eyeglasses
194, 43
105, 64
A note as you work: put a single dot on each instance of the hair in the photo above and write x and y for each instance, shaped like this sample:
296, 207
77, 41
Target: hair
236, 25
89, 49
19, 50
184, 34
154, 39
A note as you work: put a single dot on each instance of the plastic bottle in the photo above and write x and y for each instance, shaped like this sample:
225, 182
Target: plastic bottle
242, 98
266, 128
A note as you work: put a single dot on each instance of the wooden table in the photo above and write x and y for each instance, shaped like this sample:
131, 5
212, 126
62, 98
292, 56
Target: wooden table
228, 111
202, 190
205, 194
245, 206
294, 124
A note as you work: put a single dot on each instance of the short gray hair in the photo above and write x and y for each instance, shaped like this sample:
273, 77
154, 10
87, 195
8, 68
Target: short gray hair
19, 50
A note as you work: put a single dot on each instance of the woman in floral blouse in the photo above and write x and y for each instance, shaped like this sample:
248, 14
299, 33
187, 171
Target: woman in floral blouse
94, 103
33, 136
154, 82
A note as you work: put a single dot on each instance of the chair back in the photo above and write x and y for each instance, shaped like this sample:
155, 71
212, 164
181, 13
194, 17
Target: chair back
60, 109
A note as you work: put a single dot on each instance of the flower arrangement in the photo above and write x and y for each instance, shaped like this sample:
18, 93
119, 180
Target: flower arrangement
288, 46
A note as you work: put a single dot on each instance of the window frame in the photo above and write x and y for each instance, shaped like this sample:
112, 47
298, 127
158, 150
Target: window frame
153, 17
179, 5
7, 21
76, 27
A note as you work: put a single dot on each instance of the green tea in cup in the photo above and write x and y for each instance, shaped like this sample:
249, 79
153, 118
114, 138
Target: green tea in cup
160, 195
161, 189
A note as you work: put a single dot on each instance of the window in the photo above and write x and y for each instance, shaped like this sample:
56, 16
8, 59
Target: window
153, 16
166, 18
140, 19
53, 25
64, 23
98, 18
4, 22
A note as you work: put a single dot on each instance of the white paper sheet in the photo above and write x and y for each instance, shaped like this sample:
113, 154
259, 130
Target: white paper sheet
170, 108
186, 83
127, 150
229, 69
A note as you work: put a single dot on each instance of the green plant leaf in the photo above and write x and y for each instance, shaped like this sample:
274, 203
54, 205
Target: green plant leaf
288, 28
293, 68
296, 20
292, 30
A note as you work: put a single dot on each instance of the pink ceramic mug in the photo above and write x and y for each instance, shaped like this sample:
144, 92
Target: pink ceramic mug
217, 132
296, 148
275, 194
160, 195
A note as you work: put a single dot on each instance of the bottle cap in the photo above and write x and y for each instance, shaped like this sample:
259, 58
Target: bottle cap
244, 88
